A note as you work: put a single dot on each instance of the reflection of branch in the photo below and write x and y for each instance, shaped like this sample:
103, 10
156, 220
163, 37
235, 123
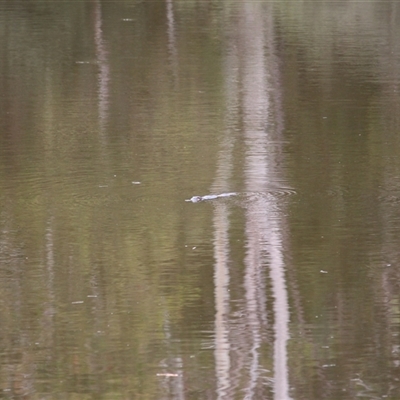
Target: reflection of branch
104, 70
48, 314
172, 49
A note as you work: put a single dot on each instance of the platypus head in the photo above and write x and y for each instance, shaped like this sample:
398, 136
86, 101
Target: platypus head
195, 199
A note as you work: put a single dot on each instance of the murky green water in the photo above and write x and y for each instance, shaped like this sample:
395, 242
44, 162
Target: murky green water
112, 114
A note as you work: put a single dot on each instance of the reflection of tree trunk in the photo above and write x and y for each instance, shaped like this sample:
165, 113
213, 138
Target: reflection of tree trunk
255, 109
221, 273
249, 67
221, 285
221, 240
264, 219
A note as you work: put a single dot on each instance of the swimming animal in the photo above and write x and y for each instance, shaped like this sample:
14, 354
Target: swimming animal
197, 199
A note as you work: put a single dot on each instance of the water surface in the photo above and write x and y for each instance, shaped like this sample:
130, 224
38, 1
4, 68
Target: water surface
112, 114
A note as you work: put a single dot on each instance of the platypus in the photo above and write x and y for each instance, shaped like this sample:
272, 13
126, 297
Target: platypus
196, 199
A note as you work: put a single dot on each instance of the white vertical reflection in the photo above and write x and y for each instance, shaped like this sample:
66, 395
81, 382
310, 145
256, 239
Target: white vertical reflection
221, 229
221, 285
252, 92
104, 70
255, 118
264, 220
172, 49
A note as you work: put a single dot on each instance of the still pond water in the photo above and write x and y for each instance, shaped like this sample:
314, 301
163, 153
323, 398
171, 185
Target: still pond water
112, 114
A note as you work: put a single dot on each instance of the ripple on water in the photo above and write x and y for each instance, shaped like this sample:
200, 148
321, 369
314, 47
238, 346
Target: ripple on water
391, 197
276, 193
337, 192
36, 193
283, 192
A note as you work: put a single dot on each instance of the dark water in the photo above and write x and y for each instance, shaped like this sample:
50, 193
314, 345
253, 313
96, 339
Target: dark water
112, 114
